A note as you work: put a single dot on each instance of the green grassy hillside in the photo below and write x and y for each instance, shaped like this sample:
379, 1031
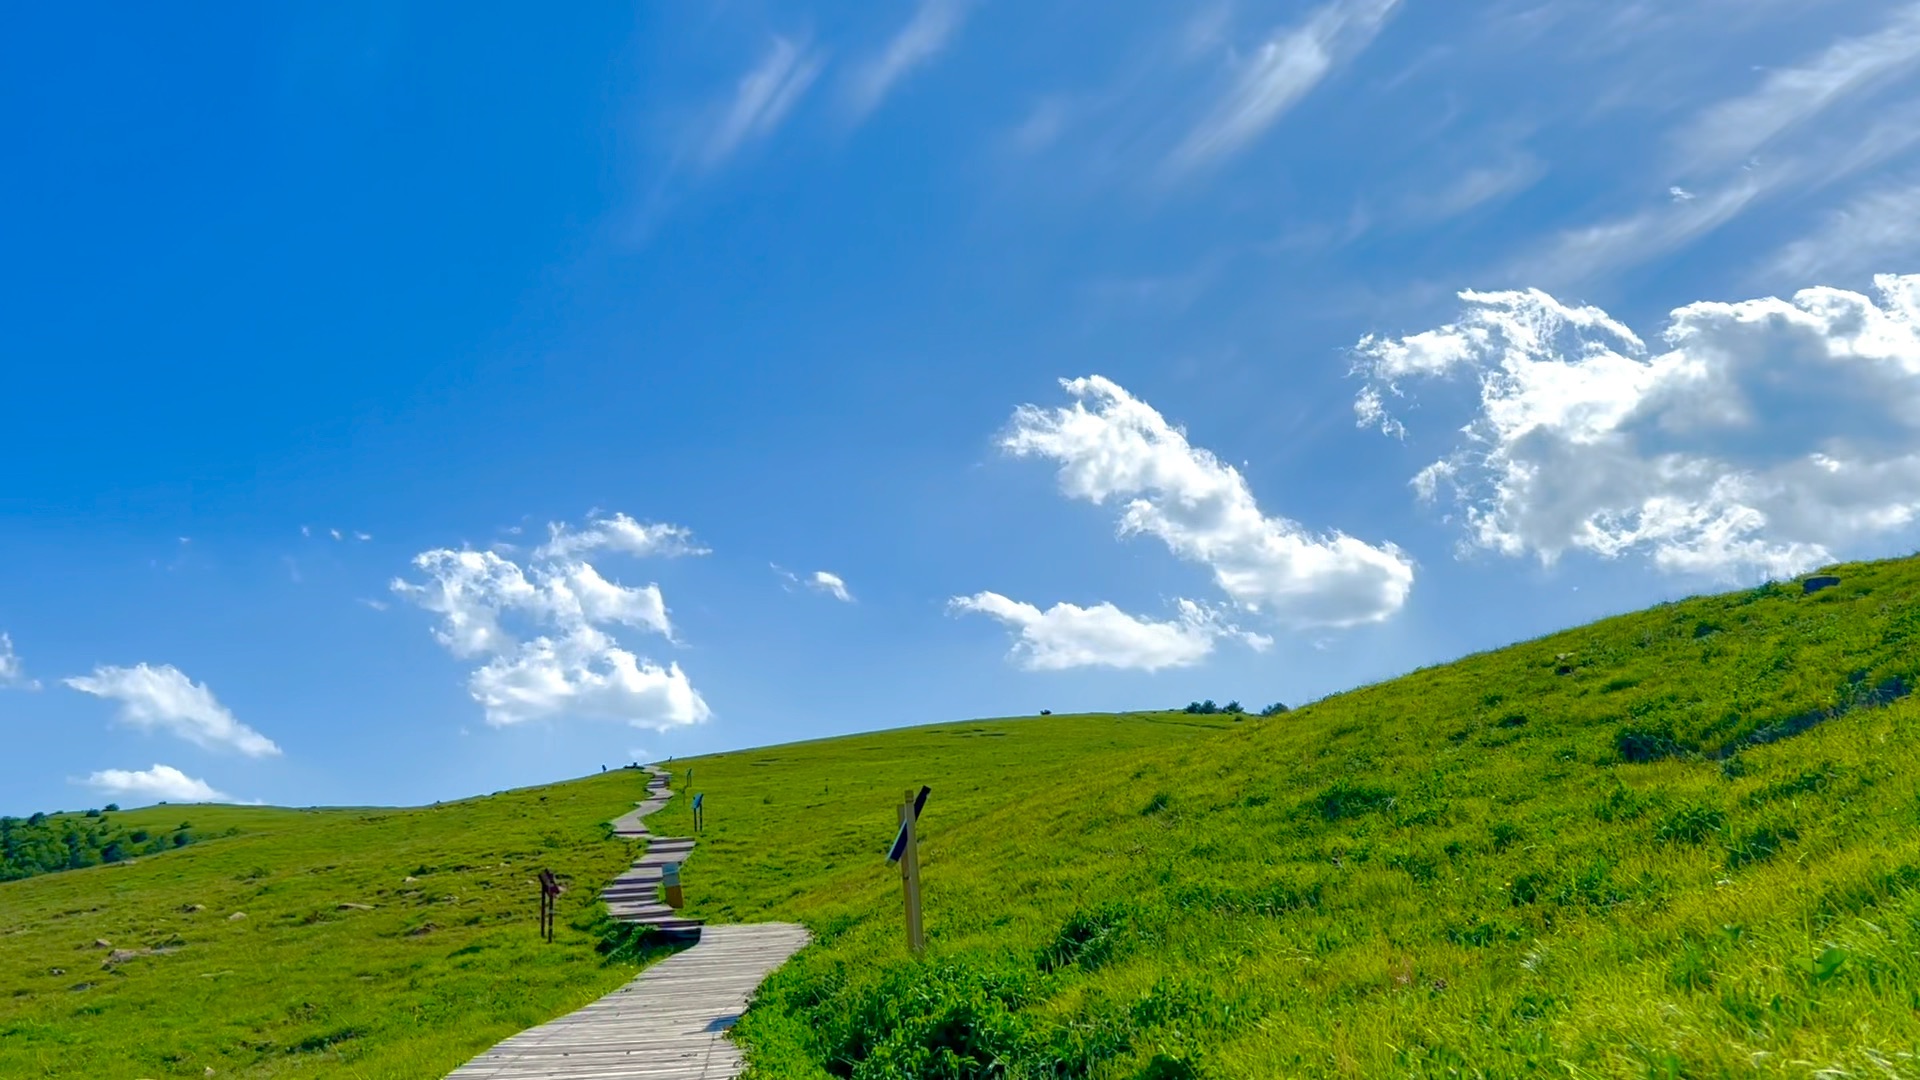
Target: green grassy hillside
378, 944
252, 960
1684, 842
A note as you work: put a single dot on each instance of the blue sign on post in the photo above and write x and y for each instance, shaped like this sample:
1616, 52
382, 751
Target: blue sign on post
699, 815
900, 841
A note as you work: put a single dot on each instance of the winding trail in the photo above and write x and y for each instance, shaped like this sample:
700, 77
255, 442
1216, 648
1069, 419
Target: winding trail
670, 1022
635, 895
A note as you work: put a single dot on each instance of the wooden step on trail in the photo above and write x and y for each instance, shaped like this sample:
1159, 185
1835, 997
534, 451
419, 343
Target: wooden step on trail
671, 1022
634, 896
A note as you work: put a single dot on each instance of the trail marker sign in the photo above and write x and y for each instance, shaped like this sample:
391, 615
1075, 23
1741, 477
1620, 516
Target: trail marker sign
549, 889
906, 852
899, 849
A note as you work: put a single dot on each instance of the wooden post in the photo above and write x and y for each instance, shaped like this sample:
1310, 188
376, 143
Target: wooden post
910, 877
549, 888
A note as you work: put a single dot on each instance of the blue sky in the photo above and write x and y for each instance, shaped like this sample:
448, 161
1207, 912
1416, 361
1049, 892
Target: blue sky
403, 402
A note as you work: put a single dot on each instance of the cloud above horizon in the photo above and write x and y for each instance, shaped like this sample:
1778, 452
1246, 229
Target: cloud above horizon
1201, 508
163, 699
568, 663
925, 35
618, 533
1803, 127
1731, 131
761, 99
1069, 636
1281, 72
13, 673
820, 581
1110, 446
162, 783
1769, 435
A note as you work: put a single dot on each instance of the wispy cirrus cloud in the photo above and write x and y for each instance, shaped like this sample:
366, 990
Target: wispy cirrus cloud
1479, 185
1877, 228
926, 34
1804, 127
1285, 68
1732, 130
761, 99
1583, 252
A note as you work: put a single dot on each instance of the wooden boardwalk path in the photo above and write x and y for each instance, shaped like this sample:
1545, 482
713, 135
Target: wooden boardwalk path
635, 895
671, 1022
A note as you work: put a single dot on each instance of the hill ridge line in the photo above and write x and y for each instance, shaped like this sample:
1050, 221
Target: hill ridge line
671, 1021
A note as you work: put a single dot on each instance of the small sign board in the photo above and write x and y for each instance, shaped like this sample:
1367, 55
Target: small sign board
900, 841
697, 799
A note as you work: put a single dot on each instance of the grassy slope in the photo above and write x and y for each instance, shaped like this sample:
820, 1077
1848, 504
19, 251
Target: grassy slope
301, 987
1454, 873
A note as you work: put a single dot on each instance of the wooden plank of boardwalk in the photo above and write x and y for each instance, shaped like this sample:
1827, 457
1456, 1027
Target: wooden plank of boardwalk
669, 1023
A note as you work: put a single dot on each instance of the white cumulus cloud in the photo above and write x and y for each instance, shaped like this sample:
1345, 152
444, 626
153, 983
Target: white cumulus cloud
163, 699
832, 585
618, 533
581, 671
1767, 434
824, 581
12, 672
543, 629
1070, 636
469, 590
1203, 510
162, 783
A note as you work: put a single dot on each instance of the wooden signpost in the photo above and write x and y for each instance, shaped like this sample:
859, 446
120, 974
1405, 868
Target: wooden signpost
699, 812
906, 852
549, 890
